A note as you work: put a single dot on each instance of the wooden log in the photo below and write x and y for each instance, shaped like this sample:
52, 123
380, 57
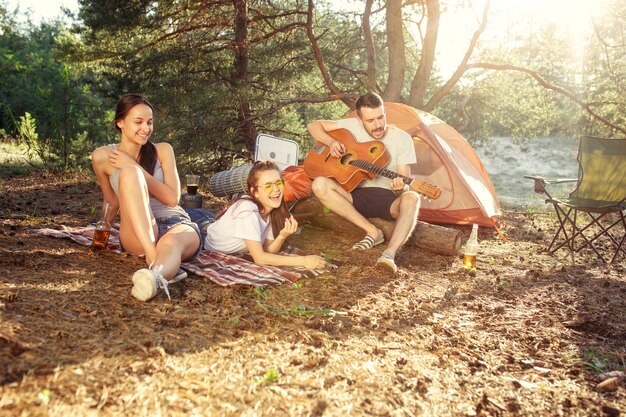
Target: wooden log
435, 238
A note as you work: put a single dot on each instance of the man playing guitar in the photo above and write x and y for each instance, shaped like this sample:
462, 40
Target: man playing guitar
372, 198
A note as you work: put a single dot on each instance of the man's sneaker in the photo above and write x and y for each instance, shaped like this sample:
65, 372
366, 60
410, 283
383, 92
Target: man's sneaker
180, 275
146, 283
387, 261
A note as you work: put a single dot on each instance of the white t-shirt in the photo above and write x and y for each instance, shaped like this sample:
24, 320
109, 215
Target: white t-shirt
241, 221
397, 142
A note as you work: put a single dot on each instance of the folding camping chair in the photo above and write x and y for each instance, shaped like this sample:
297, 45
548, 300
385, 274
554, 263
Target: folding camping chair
596, 208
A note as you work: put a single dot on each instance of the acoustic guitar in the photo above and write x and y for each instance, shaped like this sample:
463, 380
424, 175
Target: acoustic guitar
361, 161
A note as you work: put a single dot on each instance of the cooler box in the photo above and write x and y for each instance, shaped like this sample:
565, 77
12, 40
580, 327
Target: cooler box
284, 152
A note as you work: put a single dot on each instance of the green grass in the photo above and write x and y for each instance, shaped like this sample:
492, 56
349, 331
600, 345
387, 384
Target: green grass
600, 362
270, 377
8, 170
14, 162
302, 311
260, 293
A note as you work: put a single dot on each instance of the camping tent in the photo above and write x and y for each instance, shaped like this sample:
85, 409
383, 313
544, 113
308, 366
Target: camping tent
446, 159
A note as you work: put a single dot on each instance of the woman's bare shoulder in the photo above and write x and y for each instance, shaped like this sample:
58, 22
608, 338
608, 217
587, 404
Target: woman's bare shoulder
163, 146
164, 151
101, 153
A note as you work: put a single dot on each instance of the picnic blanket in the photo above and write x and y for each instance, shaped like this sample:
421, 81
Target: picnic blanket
224, 270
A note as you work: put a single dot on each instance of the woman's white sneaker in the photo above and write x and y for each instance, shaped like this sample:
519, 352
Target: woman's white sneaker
146, 283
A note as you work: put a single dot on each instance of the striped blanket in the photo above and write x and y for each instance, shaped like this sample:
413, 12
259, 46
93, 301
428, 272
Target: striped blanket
224, 270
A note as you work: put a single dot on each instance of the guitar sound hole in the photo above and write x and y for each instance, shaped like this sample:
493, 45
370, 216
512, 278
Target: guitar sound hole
373, 149
345, 158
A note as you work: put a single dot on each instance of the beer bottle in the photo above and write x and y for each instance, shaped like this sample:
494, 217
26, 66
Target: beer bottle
471, 249
103, 229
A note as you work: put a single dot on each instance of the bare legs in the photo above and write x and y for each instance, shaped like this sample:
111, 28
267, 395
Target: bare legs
179, 243
138, 229
330, 193
404, 210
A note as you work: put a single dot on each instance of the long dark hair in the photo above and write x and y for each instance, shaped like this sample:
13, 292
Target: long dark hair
277, 215
147, 153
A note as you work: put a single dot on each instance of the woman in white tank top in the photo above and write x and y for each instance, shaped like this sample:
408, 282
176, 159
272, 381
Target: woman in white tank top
140, 179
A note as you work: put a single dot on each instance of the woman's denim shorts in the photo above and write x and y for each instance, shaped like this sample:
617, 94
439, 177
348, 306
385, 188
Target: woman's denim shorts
202, 218
164, 224
196, 218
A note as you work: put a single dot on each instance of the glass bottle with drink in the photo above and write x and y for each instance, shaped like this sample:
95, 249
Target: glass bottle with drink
103, 229
471, 249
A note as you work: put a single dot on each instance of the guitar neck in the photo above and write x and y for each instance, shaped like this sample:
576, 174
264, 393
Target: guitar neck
379, 171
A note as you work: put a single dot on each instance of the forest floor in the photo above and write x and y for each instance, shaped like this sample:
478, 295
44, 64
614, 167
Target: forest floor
527, 333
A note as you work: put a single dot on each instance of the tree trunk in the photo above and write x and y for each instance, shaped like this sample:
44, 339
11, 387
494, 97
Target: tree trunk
462, 68
437, 239
239, 77
427, 58
317, 53
369, 47
395, 42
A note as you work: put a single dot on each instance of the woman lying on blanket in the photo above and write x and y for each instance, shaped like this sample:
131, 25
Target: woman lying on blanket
248, 223
140, 179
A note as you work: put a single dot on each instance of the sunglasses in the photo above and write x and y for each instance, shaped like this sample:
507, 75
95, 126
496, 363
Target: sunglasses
269, 186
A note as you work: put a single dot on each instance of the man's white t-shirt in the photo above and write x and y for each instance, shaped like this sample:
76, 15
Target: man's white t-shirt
241, 221
397, 142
